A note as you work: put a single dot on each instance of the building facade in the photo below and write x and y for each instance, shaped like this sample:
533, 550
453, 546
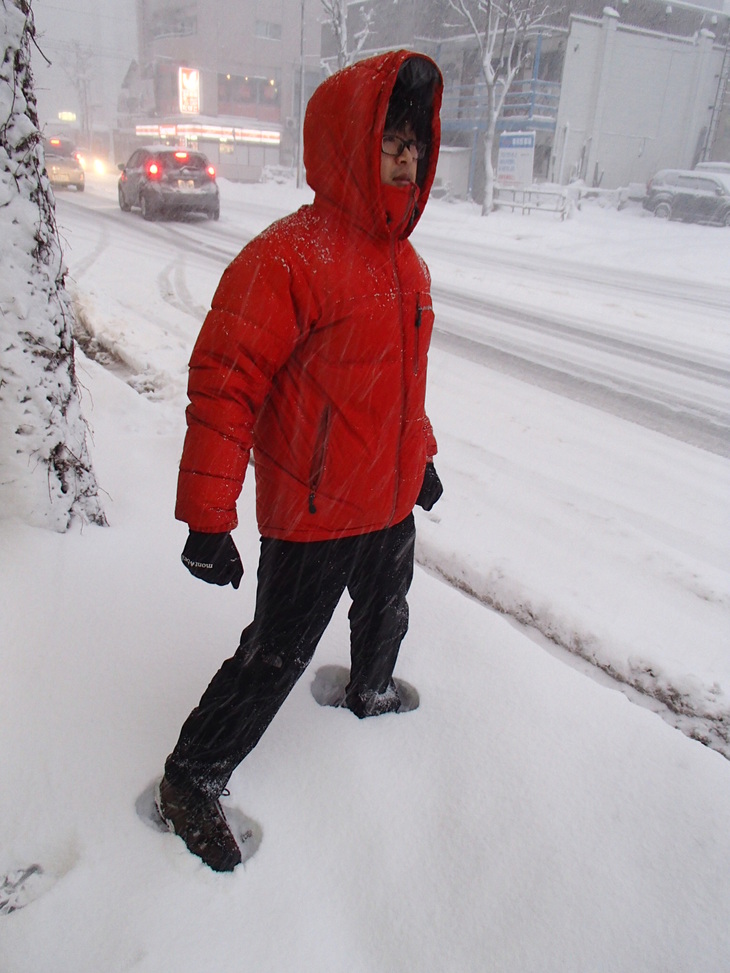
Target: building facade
224, 76
612, 94
635, 100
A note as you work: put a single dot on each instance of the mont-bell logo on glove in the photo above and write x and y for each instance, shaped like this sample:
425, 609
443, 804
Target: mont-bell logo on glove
213, 558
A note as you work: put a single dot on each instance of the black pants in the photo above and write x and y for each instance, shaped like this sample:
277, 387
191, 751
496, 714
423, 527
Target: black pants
299, 586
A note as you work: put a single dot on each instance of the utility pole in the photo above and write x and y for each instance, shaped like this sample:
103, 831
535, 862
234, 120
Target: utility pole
723, 82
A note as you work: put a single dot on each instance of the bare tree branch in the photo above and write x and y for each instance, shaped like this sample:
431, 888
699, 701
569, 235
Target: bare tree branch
501, 43
336, 15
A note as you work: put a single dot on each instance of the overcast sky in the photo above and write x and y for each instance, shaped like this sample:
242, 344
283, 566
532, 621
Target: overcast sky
107, 28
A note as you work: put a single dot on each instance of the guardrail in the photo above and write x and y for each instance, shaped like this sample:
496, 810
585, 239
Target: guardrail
558, 199
562, 199
527, 199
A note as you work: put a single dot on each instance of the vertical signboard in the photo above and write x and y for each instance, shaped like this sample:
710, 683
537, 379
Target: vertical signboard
189, 90
515, 159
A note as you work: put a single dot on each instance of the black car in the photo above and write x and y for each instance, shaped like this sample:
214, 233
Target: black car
692, 196
163, 180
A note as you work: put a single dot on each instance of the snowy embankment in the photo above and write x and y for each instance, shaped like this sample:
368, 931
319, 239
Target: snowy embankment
607, 538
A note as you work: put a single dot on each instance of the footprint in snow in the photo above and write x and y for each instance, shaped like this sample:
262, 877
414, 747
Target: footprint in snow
22, 886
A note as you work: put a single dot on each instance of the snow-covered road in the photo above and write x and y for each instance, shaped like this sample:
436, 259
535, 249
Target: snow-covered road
574, 347
680, 392
622, 340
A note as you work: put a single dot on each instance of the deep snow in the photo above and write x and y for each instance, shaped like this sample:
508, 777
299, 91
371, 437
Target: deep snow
525, 817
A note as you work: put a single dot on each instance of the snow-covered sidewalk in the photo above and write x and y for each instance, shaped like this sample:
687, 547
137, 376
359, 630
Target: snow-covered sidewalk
523, 819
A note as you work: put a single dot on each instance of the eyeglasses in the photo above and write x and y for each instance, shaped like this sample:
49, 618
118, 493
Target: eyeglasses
394, 146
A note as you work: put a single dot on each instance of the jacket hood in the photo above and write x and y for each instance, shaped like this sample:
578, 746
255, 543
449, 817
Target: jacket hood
343, 128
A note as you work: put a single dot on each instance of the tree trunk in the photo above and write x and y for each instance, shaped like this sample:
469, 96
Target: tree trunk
47, 477
489, 134
339, 26
488, 203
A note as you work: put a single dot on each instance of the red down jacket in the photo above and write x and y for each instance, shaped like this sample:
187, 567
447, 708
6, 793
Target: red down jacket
314, 351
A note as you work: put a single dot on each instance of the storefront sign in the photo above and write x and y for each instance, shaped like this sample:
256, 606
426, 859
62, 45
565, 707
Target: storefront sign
189, 90
515, 159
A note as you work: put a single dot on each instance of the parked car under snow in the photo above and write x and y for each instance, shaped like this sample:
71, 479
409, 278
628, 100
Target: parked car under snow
689, 195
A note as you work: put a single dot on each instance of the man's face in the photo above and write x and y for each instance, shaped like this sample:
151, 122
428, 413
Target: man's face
398, 170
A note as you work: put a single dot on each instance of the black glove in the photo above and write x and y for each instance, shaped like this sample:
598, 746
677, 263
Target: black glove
213, 557
431, 488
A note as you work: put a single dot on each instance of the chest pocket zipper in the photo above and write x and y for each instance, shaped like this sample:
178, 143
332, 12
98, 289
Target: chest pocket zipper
417, 351
318, 457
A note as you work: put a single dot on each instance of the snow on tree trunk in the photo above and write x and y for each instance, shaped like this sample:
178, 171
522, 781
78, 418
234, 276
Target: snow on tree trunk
336, 17
489, 137
488, 202
46, 477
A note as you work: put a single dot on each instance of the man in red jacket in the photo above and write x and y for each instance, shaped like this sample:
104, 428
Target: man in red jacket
314, 356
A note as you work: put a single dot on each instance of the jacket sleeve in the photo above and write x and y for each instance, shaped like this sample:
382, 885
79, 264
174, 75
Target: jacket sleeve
248, 334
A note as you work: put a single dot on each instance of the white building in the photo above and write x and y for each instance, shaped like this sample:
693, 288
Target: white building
634, 100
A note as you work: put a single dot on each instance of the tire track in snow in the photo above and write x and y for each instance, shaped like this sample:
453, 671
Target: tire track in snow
583, 332
101, 245
698, 416
173, 289
550, 269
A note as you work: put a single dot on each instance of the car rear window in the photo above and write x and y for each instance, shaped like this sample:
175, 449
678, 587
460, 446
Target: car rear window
60, 147
172, 161
694, 182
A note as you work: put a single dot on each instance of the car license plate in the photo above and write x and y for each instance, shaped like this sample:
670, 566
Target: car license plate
186, 184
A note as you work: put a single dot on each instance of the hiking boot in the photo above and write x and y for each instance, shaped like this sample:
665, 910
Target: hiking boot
201, 824
370, 703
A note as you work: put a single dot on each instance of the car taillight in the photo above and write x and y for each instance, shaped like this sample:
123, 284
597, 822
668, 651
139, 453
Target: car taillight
153, 170
211, 171
181, 155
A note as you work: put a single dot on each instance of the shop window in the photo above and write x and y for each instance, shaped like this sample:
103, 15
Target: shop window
249, 96
268, 29
173, 22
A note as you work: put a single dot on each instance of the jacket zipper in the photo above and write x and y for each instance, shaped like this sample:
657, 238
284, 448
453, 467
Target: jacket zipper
396, 465
318, 457
418, 339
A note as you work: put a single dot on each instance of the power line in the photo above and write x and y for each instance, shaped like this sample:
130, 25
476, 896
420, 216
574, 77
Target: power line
89, 12
66, 47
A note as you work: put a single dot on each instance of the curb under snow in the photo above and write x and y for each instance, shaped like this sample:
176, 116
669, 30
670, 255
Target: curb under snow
699, 711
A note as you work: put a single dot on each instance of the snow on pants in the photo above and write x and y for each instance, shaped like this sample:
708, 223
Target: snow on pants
299, 586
